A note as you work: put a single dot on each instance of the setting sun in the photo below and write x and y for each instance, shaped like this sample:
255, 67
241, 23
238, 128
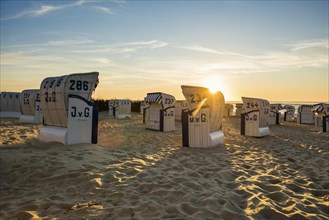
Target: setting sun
214, 84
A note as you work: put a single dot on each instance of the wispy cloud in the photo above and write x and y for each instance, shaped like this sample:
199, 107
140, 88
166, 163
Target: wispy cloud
51, 43
119, 1
152, 44
125, 47
301, 54
42, 10
47, 8
211, 51
176, 68
311, 44
105, 10
77, 41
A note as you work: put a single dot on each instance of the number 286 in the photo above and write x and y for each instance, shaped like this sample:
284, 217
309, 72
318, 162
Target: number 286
78, 85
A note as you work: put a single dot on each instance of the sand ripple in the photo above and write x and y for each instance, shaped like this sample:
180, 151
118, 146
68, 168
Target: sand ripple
139, 174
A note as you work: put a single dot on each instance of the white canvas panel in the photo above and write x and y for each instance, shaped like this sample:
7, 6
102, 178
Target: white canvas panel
154, 117
53, 134
199, 129
169, 119
79, 121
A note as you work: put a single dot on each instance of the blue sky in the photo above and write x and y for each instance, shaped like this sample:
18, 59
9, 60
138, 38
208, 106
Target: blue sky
277, 50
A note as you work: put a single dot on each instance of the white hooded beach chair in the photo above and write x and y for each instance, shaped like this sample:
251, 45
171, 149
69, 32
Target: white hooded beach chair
160, 115
321, 111
10, 107
254, 121
30, 106
289, 113
239, 109
228, 109
70, 116
305, 114
120, 108
202, 121
274, 114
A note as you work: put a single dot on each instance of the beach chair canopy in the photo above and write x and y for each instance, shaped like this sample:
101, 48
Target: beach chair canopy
10, 102
182, 104
55, 92
276, 107
119, 102
239, 109
321, 107
120, 108
165, 100
228, 109
305, 114
289, 113
229, 106
28, 101
289, 108
305, 108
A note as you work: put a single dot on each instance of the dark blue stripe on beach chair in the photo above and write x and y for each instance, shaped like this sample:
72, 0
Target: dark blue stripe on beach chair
161, 119
243, 124
94, 128
185, 123
324, 123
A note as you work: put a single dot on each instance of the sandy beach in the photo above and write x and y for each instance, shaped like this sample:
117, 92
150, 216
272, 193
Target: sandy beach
133, 173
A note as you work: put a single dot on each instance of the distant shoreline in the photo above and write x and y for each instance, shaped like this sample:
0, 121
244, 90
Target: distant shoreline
284, 102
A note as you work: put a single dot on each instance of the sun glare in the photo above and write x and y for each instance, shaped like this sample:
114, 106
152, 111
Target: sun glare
214, 84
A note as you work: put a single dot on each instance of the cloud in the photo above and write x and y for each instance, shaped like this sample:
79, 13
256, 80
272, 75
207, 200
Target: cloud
103, 9
45, 9
69, 42
202, 49
311, 44
126, 47
55, 43
119, 1
152, 44
177, 66
211, 51
42, 10
301, 54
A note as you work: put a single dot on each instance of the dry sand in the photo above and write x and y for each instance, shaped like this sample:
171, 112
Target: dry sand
135, 173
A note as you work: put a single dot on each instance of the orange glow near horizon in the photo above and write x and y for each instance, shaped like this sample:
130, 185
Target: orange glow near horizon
214, 84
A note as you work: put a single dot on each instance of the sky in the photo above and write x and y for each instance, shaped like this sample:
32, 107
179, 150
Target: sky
276, 50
